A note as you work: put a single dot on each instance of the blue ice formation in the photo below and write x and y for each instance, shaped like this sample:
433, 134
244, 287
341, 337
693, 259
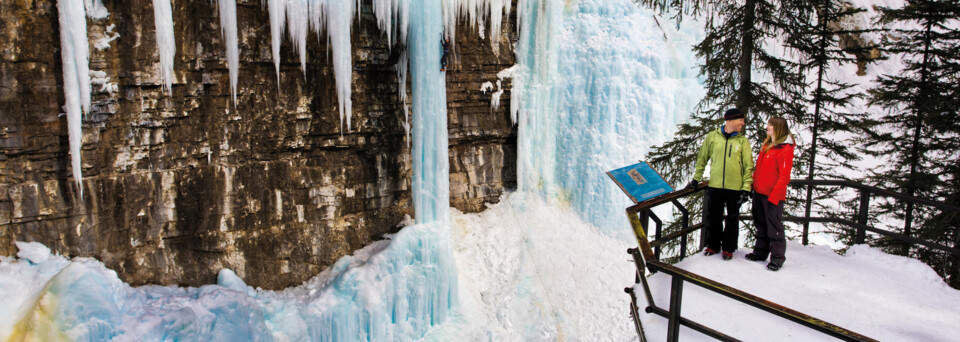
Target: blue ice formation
597, 84
431, 169
389, 291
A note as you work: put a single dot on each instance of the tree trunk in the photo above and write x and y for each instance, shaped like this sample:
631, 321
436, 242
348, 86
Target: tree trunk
744, 93
919, 107
817, 100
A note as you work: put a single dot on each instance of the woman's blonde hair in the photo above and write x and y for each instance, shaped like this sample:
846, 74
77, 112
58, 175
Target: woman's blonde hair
780, 132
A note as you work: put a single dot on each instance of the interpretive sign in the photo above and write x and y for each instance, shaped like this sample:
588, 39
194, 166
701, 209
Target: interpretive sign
640, 182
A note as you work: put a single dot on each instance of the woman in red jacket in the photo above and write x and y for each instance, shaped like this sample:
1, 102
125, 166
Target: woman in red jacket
770, 179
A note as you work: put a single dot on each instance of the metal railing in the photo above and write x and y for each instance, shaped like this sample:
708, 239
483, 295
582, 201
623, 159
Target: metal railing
647, 257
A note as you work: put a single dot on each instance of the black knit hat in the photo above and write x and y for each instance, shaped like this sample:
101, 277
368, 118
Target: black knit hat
733, 114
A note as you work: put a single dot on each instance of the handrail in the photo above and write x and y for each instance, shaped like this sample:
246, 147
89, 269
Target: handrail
858, 226
646, 258
875, 190
755, 301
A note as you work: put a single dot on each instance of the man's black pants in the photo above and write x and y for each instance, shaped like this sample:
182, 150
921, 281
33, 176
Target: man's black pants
720, 236
768, 218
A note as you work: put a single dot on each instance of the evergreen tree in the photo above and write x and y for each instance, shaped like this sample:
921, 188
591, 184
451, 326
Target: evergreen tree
734, 50
918, 132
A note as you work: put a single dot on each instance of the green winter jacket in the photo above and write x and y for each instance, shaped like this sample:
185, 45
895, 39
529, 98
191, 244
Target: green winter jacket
731, 161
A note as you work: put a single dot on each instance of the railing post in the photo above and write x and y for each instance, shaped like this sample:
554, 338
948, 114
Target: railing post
676, 295
862, 216
659, 230
703, 218
684, 223
908, 220
645, 220
806, 210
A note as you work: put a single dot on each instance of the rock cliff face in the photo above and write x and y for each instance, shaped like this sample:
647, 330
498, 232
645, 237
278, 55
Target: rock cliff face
177, 187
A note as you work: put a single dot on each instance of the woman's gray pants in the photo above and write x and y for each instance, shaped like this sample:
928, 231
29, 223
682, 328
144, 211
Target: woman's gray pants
768, 219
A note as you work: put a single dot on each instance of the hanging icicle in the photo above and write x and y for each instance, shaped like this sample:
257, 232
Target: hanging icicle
95, 9
277, 17
298, 22
74, 50
228, 26
166, 41
393, 18
476, 13
339, 15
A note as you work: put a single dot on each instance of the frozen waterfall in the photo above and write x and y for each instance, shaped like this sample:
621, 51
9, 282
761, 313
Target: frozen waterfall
595, 89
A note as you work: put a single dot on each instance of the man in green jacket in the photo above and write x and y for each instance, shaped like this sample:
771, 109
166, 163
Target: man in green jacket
731, 178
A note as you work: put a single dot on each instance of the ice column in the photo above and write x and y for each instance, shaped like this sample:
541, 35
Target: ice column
228, 26
74, 50
166, 42
535, 95
431, 176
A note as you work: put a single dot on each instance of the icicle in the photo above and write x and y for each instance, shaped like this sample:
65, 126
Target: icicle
228, 26
402, 90
393, 17
166, 42
318, 20
297, 24
339, 18
476, 13
498, 8
74, 49
95, 9
277, 17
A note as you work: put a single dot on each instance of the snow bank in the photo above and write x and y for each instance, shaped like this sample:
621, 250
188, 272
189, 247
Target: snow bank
534, 272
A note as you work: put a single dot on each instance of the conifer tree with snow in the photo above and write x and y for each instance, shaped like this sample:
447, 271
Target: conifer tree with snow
916, 137
737, 47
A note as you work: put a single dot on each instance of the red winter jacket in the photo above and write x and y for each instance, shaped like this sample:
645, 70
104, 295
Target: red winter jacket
772, 172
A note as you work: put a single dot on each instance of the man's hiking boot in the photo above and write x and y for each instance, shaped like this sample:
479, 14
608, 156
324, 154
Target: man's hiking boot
708, 252
754, 257
774, 266
727, 255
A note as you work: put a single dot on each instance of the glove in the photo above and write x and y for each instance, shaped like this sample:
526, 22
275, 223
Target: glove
745, 196
692, 185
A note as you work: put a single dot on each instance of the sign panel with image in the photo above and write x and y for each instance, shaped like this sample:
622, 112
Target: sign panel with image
640, 182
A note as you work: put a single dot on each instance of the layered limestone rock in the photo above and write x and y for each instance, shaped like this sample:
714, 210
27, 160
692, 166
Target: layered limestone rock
178, 187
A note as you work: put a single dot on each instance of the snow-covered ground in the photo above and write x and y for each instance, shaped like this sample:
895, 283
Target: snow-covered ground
881, 296
528, 271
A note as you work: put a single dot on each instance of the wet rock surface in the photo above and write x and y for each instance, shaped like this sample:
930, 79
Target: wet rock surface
178, 186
